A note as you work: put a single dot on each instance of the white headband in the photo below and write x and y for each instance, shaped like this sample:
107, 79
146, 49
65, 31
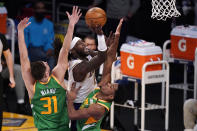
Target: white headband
74, 41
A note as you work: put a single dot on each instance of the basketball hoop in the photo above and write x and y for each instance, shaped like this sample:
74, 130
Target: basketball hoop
163, 9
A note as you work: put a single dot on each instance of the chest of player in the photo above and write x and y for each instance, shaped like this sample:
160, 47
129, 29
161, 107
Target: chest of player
87, 102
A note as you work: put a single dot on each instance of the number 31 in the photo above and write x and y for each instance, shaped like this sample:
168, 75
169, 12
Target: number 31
48, 105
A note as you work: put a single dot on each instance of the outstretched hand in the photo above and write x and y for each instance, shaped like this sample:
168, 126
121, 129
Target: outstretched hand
72, 93
97, 29
118, 29
23, 24
76, 14
110, 39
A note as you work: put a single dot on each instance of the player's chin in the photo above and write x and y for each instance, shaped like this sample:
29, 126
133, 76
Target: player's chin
86, 51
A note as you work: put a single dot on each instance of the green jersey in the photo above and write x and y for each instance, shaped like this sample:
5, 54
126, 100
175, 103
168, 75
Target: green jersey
90, 124
49, 106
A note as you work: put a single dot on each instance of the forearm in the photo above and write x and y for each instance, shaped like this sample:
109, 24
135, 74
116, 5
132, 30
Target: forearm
9, 62
80, 71
22, 48
111, 57
68, 37
95, 62
111, 53
66, 44
71, 110
101, 43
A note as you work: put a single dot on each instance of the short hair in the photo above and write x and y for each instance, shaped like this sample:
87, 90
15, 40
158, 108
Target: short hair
38, 70
89, 37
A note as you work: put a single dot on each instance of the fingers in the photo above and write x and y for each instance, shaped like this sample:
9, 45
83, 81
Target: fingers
110, 34
119, 26
79, 12
68, 14
78, 89
80, 15
73, 89
76, 14
12, 85
76, 11
27, 24
25, 20
24, 23
73, 11
73, 86
97, 29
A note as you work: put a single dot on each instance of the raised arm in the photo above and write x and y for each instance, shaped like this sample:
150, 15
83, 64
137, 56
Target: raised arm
111, 55
80, 71
62, 63
24, 60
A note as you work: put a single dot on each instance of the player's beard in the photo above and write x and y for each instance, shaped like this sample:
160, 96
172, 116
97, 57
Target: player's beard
82, 53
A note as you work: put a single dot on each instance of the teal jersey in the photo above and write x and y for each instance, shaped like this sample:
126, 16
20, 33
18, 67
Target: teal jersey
90, 124
49, 106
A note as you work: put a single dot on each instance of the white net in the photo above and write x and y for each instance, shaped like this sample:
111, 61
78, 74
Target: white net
163, 9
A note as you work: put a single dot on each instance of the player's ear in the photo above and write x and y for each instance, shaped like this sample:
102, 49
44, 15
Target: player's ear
72, 50
111, 97
46, 74
115, 86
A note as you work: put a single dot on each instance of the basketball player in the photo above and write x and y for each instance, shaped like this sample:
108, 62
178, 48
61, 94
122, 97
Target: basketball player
98, 102
82, 65
47, 91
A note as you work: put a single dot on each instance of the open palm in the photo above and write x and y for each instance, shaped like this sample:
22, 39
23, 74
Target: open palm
23, 24
76, 14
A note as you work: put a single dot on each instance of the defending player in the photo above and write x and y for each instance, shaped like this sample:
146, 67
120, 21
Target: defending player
98, 102
47, 91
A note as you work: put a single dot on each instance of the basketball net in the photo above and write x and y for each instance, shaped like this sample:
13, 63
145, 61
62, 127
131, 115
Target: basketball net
163, 9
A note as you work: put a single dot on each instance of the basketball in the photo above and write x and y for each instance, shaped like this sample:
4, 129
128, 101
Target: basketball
95, 16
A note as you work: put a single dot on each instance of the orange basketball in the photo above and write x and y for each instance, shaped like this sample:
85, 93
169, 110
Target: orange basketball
95, 16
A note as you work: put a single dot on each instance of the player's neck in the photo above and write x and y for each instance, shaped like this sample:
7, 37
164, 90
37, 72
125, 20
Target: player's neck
100, 96
44, 80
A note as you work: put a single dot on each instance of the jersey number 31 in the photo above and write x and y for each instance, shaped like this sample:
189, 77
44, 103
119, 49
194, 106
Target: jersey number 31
48, 105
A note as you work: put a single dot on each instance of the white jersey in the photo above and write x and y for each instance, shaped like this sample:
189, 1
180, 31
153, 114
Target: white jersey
87, 85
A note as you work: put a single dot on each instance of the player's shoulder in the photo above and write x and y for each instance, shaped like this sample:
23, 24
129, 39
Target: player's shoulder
73, 62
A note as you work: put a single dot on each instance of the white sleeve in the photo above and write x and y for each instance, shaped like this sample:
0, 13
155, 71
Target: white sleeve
101, 43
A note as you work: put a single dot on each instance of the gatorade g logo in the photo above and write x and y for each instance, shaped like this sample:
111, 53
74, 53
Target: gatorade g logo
182, 45
130, 62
